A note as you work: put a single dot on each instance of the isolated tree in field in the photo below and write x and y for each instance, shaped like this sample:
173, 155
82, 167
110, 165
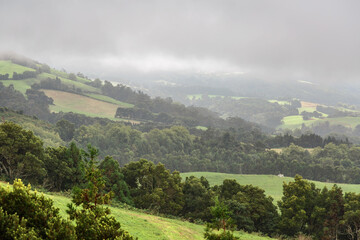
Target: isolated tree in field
92, 219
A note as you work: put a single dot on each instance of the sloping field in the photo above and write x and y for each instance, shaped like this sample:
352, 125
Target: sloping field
270, 183
70, 102
9, 67
150, 227
109, 100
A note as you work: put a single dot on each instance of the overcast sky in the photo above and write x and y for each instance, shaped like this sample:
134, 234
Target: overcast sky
314, 40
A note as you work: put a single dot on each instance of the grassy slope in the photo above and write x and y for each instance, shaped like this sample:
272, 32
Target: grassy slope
270, 183
9, 67
44, 130
69, 102
109, 100
150, 227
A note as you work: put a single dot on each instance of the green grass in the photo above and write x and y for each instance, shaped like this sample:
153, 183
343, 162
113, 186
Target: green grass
70, 102
201, 128
270, 183
10, 68
109, 100
66, 75
295, 121
307, 109
149, 227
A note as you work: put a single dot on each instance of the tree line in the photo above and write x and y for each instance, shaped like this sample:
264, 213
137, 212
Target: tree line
321, 213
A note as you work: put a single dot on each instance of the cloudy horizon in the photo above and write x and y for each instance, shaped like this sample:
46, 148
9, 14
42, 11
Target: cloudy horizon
275, 40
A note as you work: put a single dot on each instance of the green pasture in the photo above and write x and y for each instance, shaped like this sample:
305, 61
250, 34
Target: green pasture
70, 102
149, 227
272, 184
66, 75
10, 68
295, 121
109, 100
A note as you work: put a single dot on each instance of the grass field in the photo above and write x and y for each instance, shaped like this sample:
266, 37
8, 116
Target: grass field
70, 102
150, 227
270, 183
295, 121
109, 100
21, 85
10, 68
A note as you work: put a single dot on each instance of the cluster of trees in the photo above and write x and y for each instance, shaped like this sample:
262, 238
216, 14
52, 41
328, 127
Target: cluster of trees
4, 76
309, 140
55, 84
321, 213
309, 115
36, 102
24, 75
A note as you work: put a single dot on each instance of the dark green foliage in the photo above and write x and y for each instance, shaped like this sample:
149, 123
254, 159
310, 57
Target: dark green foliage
297, 205
198, 198
21, 153
36, 213
351, 220
251, 209
92, 219
66, 129
12, 227
64, 167
115, 180
154, 187
222, 221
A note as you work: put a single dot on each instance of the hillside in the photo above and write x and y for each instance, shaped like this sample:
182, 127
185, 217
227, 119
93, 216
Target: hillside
270, 183
149, 227
44, 130
74, 94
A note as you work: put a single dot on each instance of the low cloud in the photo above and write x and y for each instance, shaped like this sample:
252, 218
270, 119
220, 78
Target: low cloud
275, 40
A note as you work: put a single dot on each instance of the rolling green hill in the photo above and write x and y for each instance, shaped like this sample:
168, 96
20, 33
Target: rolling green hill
150, 227
270, 183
